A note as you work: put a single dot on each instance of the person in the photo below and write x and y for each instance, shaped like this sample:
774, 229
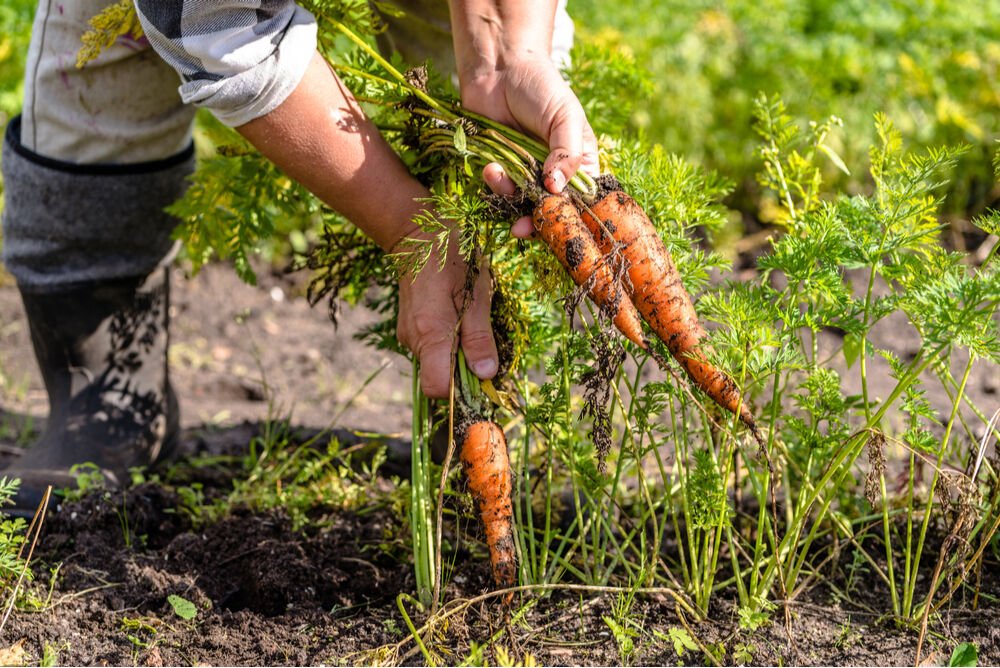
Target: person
98, 152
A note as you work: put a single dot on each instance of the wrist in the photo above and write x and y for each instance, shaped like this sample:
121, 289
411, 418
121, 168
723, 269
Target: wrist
398, 227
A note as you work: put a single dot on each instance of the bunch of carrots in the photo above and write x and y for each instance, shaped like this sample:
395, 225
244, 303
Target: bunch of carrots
592, 242
601, 236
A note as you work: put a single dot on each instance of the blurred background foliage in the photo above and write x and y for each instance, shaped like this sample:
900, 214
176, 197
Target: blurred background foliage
15, 30
930, 65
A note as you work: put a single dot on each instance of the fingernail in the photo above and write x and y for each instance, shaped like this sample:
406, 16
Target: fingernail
485, 368
558, 180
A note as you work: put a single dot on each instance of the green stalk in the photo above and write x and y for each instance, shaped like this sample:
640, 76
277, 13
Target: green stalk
377, 57
409, 624
716, 543
910, 498
864, 339
849, 451
570, 456
420, 523
888, 546
529, 526
674, 516
908, 595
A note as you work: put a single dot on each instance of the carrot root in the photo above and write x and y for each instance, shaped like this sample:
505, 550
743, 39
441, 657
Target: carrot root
487, 468
558, 223
659, 295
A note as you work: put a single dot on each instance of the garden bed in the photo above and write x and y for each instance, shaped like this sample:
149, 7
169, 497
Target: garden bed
267, 593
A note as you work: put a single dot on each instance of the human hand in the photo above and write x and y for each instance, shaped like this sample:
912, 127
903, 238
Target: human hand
530, 95
429, 306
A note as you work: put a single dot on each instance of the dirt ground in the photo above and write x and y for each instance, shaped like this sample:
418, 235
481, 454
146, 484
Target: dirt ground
268, 595
233, 346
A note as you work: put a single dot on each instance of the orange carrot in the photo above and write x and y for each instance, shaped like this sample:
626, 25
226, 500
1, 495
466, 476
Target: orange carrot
558, 223
659, 295
483, 452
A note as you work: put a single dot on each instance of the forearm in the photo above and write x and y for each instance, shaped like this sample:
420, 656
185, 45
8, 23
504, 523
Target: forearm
488, 34
320, 137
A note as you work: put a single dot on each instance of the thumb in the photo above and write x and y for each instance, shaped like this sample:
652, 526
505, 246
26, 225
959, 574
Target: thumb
476, 331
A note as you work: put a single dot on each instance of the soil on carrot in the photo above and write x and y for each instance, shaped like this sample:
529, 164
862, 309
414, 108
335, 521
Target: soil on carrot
265, 593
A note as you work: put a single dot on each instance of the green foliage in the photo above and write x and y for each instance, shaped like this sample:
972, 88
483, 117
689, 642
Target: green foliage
281, 470
12, 531
680, 639
183, 608
50, 653
965, 654
237, 201
15, 31
856, 207
930, 66
609, 83
743, 653
753, 617
624, 635
708, 493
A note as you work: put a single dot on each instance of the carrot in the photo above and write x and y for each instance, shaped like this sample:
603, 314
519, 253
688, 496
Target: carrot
558, 223
659, 294
483, 452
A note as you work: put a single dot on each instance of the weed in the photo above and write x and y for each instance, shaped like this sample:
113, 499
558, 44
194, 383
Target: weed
183, 608
965, 654
624, 631
679, 638
142, 633
11, 535
17, 429
89, 479
755, 616
507, 660
50, 653
391, 627
624, 626
846, 637
743, 653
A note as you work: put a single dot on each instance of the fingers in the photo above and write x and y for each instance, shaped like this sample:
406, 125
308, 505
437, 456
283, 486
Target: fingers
591, 163
498, 181
477, 333
523, 228
435, 362
573, 147
426, 325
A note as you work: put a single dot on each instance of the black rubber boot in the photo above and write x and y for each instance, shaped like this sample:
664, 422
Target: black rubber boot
102, 350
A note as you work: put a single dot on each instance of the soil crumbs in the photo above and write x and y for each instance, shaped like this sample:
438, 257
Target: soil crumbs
109, 564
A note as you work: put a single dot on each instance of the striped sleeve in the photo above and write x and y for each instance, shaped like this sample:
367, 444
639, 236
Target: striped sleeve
238, 58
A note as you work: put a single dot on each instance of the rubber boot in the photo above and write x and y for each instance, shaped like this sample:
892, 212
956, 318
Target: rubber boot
89, 246
102, 351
